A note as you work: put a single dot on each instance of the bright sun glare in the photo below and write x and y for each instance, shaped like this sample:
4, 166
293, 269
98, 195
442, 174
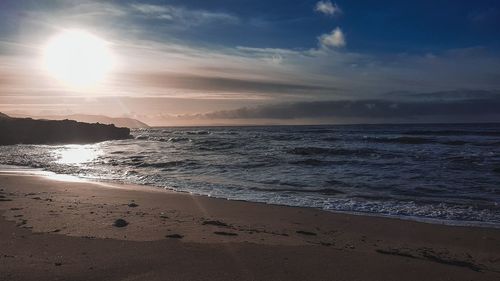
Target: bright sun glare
77, 154
77, 58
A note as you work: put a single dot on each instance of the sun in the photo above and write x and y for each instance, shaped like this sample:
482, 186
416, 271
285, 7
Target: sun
77, 58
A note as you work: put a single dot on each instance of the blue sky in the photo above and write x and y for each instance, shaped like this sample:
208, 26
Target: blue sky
372, 26
188, 59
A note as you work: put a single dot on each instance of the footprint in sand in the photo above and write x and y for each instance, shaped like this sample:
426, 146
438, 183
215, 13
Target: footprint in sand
225, 233
175, 236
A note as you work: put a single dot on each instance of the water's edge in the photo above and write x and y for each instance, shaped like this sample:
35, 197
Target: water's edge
5, 169
428, 173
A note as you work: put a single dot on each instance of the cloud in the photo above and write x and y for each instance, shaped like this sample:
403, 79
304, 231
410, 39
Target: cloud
452, 95
154, 11
180, 14
335, 39
458, 110
221, 85
326, 7
156, 63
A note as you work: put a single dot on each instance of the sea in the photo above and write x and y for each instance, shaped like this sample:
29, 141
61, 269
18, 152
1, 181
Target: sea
436, 173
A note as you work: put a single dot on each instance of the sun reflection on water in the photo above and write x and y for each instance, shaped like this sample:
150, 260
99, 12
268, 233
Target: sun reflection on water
77, 154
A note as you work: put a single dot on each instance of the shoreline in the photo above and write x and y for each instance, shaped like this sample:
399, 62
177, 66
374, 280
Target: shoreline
110, 183
251, 241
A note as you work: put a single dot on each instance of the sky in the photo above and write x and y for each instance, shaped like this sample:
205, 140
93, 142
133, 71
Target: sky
223, 62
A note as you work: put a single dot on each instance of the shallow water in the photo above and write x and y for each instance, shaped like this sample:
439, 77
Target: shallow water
450, 173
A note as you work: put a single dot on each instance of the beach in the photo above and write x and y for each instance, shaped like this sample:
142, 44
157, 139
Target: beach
249, 140
65, 229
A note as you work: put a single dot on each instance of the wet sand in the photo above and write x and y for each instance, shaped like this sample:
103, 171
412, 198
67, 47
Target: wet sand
62, 230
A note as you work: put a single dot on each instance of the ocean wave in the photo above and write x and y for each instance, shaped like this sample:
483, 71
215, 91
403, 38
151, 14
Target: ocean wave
310, 150
415, 140
163, 139
400, 140
331, 139
317, 131
216, 144
167, 164
277, 182
425, 199
312, 162
336, 183
286, 137
431, 190
494, 143
454, 142
322, 191
452, 133
256, 165
178, 139
231, 133
137, 157
198, 132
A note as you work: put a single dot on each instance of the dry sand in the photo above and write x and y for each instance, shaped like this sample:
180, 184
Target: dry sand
62, 230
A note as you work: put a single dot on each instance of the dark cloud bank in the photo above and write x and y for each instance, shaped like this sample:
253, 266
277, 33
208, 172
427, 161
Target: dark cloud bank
452, 106
224, 84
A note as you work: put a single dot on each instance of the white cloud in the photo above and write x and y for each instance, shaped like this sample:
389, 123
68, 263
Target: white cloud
326, 7
333, 39
182, 15
150, 9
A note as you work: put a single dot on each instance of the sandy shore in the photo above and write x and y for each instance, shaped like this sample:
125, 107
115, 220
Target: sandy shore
62, 230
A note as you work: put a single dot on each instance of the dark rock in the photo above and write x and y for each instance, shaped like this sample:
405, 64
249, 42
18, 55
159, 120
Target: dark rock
120, 223
133, 205
30, 131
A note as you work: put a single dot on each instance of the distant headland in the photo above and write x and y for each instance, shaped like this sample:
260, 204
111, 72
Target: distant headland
86, 118
30, 131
